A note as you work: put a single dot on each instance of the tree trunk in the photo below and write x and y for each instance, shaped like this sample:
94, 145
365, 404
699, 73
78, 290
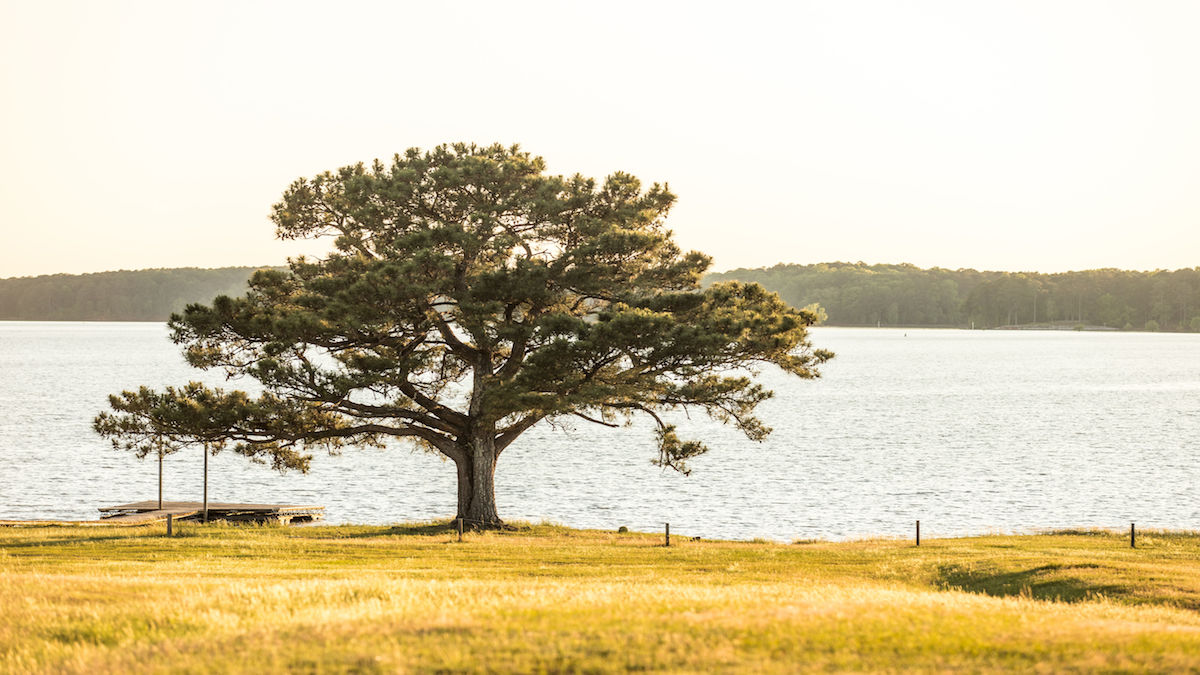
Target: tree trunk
477, 471
464, 486
477, 483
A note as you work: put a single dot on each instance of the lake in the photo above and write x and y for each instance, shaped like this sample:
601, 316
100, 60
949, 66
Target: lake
968, 431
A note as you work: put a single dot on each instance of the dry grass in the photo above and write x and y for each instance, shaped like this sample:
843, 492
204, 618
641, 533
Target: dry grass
548, 599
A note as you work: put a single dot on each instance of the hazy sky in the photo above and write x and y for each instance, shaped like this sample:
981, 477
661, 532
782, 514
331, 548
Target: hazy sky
1002, 135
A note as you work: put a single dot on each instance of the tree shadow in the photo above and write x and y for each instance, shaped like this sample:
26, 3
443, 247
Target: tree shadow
1060, 582
59, 541
427, 529
321, 531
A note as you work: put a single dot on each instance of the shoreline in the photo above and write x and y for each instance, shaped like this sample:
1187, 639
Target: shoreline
518, 527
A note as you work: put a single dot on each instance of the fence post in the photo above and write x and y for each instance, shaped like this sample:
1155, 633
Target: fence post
170, 524
1132, 537
918, 533
668, 534
458, 523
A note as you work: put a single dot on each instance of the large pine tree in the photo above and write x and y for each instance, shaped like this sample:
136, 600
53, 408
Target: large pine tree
468, 297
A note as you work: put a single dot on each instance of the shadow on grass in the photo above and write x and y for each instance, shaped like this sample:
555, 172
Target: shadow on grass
320, 531
1061, 582
427, 529
60, 541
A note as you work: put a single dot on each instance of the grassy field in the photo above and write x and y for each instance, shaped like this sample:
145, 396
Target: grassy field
549, 599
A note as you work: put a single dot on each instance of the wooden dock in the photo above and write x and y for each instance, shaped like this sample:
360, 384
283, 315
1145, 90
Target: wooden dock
143, 513
139, 513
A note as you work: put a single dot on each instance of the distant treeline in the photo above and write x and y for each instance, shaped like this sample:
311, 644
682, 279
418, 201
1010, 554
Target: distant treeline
857, 294
142, 295
852, 294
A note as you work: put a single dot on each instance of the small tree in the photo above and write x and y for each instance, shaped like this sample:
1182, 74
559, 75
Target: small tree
468, 297
165, 423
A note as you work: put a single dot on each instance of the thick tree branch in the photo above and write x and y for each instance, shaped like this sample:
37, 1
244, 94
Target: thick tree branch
593, 420
462, 349
364, 410
510, 433
434, 407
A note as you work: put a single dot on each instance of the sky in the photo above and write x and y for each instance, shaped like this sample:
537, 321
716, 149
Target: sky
1023, 136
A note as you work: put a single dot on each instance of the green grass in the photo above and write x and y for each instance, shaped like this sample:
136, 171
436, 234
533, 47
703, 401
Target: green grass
550, 599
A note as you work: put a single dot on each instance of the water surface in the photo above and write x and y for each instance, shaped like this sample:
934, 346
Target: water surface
968, 431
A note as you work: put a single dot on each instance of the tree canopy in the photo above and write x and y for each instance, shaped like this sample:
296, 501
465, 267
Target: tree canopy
469, 296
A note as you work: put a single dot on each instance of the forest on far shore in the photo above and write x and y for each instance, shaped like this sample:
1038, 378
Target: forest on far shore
138, 295
858, 294
851, 294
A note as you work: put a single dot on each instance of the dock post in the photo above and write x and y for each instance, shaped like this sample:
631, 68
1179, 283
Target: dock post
170, 524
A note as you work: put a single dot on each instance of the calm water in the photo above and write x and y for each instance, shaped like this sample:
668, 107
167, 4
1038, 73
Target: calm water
968, 431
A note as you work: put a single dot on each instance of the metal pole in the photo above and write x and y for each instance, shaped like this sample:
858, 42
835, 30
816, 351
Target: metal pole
206, 482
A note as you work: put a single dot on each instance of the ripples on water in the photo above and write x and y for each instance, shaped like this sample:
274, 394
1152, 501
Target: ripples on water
968, 431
